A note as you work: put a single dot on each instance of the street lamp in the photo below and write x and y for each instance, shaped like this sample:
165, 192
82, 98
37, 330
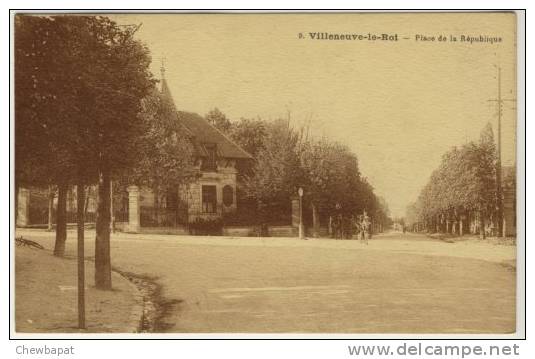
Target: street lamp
301, 225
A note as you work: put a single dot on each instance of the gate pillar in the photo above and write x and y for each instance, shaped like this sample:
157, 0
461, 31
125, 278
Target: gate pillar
133, 209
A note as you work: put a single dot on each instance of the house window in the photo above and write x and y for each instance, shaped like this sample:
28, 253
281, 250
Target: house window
209, 162
228, 195
209, 199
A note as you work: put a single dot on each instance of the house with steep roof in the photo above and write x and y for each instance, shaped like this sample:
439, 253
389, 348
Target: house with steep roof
211, 194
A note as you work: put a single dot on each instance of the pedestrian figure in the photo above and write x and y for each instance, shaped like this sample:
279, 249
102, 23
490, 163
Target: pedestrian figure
363, 232
354, 226
342, 226
338, 222
489, 229
365, 227
338, 230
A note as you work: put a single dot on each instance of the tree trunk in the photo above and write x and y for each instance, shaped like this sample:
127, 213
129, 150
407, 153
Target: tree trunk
468, 222
51, 196
112, 213
482, 234
86, 203
102, 242
315, 221
16, 199
80, 209
61, 220
156, 194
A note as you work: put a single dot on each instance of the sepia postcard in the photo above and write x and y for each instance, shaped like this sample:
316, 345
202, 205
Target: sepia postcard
298, 173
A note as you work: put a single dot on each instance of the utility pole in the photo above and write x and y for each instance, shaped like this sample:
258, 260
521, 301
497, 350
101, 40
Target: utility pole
301, 224
499, 191
162, 68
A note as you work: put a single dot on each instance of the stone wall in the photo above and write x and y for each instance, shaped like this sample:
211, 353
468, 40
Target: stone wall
254, 231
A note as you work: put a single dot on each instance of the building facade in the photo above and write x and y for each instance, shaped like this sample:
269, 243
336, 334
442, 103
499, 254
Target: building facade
211, 195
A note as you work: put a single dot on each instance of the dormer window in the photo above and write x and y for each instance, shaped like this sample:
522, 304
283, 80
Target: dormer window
209, 162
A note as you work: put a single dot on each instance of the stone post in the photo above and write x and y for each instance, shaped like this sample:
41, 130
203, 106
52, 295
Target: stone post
295, 212
23, 207
133, 209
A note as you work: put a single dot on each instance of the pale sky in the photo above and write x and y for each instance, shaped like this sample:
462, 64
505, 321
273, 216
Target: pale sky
398, 105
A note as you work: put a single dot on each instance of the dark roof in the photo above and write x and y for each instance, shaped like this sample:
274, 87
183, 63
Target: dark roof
201, 132
165, 94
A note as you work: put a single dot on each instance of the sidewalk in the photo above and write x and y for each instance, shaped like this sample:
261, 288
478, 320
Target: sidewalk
46, 297
453, 238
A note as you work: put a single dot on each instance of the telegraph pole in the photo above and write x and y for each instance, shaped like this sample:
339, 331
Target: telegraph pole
499, 191
301, 224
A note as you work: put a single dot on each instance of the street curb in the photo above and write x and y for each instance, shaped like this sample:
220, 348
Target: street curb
136, 313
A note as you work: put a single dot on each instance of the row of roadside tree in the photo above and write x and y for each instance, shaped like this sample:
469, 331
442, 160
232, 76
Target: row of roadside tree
88, 113
80, 82
286, 158
461, 194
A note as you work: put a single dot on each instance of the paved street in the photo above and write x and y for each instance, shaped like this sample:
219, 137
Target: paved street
397, 284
